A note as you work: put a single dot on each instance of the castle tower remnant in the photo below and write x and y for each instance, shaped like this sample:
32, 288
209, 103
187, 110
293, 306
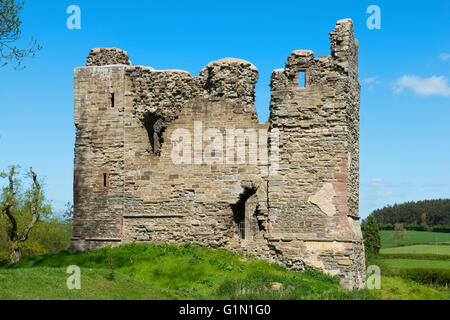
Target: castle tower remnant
128, 188
313, 200
99, 161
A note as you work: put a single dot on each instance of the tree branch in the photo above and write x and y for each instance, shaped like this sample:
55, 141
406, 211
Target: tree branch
10, 32
35, 213
12, 230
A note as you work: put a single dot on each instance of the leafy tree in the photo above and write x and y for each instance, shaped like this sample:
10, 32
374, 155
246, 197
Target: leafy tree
371, 234
50, 234
10, 33
22, 212
424, 223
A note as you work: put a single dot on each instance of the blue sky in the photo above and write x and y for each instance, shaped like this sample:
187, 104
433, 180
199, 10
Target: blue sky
404, 70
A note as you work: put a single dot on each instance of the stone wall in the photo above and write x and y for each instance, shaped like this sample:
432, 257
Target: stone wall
128, 187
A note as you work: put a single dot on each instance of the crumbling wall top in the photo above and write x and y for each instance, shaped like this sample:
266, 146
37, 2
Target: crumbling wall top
107, 56
232, 79
344, 46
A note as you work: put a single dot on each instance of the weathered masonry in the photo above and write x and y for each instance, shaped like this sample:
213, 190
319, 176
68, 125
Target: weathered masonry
128, 188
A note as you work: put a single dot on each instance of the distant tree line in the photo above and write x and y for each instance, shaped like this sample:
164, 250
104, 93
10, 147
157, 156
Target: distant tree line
426, 215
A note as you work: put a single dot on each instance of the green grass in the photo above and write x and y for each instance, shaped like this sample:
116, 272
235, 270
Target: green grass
149, 271
169, 271
419, 249
395, 288
50, 283
413, 237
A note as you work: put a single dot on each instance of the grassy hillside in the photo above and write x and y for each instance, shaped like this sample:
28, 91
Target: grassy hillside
186, 272
148, 271
414, 237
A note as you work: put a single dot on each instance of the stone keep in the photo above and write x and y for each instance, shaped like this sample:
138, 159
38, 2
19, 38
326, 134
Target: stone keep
127, 187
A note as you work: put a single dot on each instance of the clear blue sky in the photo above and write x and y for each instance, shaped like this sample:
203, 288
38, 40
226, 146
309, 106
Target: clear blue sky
404, 71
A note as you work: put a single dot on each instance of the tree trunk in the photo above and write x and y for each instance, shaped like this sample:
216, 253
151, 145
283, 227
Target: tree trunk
16, 254
16, 239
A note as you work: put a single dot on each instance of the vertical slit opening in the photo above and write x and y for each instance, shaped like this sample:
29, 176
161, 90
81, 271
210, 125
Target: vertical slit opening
112, 100
105, 180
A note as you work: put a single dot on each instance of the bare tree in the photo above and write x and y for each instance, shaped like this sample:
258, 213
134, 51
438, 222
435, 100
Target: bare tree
10, 33
16, 237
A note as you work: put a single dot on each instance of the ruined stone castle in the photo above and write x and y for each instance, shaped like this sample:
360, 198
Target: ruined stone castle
297, 205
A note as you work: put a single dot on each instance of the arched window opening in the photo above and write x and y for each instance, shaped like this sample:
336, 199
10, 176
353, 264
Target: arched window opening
240, 216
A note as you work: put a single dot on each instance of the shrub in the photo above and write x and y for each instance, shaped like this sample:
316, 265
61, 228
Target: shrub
418, 256
427, 276
440, 228
372, 239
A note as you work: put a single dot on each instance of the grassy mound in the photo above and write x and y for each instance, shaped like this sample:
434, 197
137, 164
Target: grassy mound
168, 272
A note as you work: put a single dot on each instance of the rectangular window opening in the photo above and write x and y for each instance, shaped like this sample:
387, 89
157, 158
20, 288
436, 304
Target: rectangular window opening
302, 79
105, 180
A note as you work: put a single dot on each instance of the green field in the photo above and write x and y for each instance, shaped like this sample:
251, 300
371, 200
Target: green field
420, 256
397, 264
419, 249
413, 237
